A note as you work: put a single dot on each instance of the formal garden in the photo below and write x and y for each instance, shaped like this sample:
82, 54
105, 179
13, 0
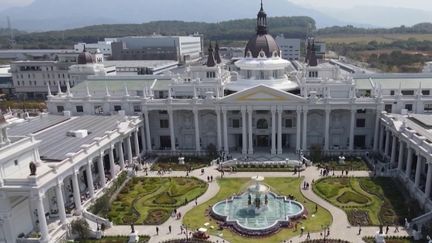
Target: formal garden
171, 163
114, 239
200, 216
151, 201
351, 163
394, 239
368, 201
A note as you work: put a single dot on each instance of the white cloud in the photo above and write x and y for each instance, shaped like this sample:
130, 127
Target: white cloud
416, 4
4, 4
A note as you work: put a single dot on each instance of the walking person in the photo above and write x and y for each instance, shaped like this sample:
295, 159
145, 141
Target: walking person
359, 232
196, 202
308, 236
157, 230
169, 229
387, 229
396, 228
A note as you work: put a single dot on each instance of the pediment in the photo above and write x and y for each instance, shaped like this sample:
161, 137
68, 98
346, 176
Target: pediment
262, 93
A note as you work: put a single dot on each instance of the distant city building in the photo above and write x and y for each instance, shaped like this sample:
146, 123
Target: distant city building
183, 49
290, 47
141, 67
103, 46
34, 54
6, 86
32, 78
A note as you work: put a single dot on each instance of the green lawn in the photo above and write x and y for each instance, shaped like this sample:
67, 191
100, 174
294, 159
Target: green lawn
147, 200
367, 201
283, 186
115, 239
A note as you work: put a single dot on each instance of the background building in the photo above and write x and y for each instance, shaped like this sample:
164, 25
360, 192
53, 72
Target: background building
290, 47
183, 49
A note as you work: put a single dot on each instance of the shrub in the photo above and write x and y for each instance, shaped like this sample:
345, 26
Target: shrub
81, 228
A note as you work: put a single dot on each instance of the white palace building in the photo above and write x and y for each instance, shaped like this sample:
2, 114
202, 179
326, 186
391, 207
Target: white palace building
260, 107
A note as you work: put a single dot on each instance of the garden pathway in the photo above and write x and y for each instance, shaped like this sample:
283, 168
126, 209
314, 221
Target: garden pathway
340, 228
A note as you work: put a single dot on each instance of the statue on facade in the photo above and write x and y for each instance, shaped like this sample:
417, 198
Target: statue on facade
32, 167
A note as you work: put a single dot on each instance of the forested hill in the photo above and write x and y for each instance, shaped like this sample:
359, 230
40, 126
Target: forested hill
232, 30
421, 28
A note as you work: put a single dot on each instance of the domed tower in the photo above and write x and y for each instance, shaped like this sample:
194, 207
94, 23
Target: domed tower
85, 57
262, 62
262, 41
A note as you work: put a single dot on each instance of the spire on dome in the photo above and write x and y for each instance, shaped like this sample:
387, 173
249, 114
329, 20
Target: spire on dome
210, 59
313, 61
216, 54
308, 50
262, 21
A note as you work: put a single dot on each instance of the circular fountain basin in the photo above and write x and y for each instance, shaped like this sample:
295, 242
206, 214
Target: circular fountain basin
250, 220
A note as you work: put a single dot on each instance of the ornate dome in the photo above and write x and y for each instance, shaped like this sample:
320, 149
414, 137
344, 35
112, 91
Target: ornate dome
262, 41
85, 57
265, 43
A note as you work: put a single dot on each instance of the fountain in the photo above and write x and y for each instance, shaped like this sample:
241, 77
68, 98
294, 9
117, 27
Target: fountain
257, 211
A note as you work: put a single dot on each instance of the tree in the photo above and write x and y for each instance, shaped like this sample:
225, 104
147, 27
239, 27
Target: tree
81, 228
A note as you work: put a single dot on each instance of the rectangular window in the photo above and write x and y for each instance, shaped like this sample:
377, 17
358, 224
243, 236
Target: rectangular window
392, 92
98, 109
162, 112
388, 108
407, 92
428, 107
60, 108
409, 107
361, 111
235, 123
79, 108
425, 92
163, 123
288, 123
211, 74
137, 108
117, 107
361, 123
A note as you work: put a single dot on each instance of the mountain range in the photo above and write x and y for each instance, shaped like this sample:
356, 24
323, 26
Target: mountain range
42, 15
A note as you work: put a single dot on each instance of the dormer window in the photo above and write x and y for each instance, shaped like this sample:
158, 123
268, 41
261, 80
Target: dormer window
275, 54
249, 54
262, 54
313, 74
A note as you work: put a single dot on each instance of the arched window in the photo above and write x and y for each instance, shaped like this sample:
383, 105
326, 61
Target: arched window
262, 124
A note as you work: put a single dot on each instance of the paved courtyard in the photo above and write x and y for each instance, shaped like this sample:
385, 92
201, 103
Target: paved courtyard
340, 228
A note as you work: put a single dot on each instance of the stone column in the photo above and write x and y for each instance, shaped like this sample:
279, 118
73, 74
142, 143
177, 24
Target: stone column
381, 138
401, 151
273, 130
250, 111
171, 127
147, 131
136, 143
90, 179
409, 162
111, 160
219, 130
121, 155
305, 115
327, 129
352, 125
225, 125
376, 132
279, 134
101, 169
244, 130
76, 193
43, 227
60, 203
428, 180
393, 151
197, 131
418, 171
143, 139
387, 143
298, 126
129, 149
